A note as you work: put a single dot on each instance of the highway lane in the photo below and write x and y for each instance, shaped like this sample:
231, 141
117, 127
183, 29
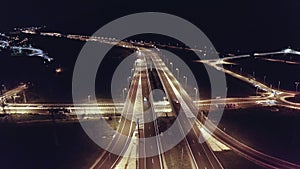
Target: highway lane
181, 132
150, 128
125, 129
200, 152
160, 107
112, 108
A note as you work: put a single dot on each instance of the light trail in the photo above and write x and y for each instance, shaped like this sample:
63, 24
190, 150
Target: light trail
21, 47
284, 51
279, 60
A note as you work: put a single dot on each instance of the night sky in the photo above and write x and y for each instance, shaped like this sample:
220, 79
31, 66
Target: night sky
246, 25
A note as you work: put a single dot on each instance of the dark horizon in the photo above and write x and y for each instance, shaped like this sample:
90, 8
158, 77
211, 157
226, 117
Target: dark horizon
236, 25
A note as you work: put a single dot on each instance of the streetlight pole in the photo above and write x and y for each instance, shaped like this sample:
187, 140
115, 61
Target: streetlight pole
196, 94
241, 70
253, 74
265, 79
177, 73
297, 83
171, 66
131, 72
185, 84
4, 88
278, 85
24, 97
128, 80
89, 98
125, 89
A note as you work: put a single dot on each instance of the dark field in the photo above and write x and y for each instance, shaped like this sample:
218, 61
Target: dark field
274, 131
46, 146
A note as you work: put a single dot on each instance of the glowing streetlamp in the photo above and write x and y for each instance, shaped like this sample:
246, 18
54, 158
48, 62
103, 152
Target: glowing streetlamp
128, 80
185, 84
131, 72
89, 98
196, 94
177, 70
297, 83
125, 89
171, 66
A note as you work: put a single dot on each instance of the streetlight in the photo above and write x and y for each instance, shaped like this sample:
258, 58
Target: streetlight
24, 97
89, 98
241, 69
185, 84
177, 73
297, 83
125, 89
278, 85
253, 74
171, 66
4, 88
196, 94
128, 80
131, 72
265, 79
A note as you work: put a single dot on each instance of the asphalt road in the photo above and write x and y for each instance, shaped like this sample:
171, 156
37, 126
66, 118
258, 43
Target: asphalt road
200, 153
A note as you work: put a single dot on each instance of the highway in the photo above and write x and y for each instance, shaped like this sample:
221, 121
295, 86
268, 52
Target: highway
13, 92
111, 108
149, 127
275, 94
171, 85
138, 113
200, 153
242, 149
126, 127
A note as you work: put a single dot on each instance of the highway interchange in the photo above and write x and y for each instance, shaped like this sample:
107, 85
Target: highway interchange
139, 116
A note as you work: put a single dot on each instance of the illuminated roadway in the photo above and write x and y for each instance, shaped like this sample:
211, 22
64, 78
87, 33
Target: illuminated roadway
13, 92
278, 95
149, 127
172, 88
200, 154
242, 149
125, 129
186, 103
